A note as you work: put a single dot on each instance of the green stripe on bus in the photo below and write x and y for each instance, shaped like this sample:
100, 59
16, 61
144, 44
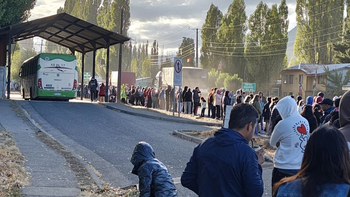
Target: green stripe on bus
58, 94
50, 56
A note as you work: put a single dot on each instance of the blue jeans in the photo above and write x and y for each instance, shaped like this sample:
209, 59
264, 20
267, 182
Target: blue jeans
256, 128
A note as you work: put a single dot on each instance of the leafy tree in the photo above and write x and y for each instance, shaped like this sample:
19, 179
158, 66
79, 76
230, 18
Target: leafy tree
266, 43
135, 68
146, 67
231, 36
154, 58
209, 37
15, 63
15, 11
26, 54
319, 23
233, 83
212, 76
342, 48
219, 83
186, 52
335, 80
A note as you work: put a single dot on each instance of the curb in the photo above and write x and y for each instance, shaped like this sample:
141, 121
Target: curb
187, 137
161, 118
93, 175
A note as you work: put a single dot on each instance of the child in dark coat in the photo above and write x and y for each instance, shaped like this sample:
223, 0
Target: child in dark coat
154, 178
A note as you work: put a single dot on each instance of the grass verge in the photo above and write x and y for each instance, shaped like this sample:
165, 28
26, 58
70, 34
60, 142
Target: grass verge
12, 173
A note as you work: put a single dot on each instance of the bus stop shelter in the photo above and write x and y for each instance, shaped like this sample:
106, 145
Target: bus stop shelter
65, 30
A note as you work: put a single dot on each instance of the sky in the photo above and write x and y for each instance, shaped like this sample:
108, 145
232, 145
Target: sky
166, 21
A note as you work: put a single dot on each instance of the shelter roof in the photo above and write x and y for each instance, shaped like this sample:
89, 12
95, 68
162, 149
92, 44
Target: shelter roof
66, 30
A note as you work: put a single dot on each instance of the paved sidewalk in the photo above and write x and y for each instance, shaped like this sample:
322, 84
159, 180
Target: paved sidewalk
50, 175
162, 114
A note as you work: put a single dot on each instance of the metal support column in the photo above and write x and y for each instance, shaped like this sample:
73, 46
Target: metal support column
93, 63
82, 75
107, 74
9, 67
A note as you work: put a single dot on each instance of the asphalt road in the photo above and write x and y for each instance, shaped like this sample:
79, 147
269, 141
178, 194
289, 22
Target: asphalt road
106, 138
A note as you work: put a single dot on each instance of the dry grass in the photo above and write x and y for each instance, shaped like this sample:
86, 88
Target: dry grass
12, 173
111, 192
202, 134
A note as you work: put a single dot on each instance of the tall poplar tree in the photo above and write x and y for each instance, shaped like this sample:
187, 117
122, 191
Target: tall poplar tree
209, 37
342, 48
266, 43
319, 23
186, 52
154, 58
231, 35
12, 12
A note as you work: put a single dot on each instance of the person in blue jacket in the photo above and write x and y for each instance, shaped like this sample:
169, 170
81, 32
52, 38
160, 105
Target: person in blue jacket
225, 164
154, 178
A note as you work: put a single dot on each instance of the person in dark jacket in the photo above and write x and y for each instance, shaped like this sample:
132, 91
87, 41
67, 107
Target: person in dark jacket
317, 113
167, 98
308, 114
327, 108
267, 113
196, 100
227, 101
188, 101
154, 178
225, 164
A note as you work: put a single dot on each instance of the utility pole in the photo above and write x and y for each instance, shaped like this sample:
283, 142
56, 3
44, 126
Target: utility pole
197, 47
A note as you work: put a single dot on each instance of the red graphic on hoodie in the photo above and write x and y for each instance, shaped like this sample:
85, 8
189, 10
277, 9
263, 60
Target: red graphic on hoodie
302, 129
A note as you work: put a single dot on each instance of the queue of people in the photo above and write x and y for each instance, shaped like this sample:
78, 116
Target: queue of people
307, 162
312, 156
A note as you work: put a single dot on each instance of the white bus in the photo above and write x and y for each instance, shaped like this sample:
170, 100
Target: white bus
49, 76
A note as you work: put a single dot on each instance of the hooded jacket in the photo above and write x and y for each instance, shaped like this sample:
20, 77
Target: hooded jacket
344, 115
292, 132
154, 178
224, 165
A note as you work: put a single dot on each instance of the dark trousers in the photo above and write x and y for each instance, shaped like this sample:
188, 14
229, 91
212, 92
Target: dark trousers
202, 113
278, 174
93, 94
167, 104
218, 111
213, 108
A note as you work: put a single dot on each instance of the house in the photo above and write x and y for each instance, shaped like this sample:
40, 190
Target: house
308, 79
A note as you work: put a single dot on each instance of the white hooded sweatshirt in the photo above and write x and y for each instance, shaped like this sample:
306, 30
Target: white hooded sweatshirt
292, 132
